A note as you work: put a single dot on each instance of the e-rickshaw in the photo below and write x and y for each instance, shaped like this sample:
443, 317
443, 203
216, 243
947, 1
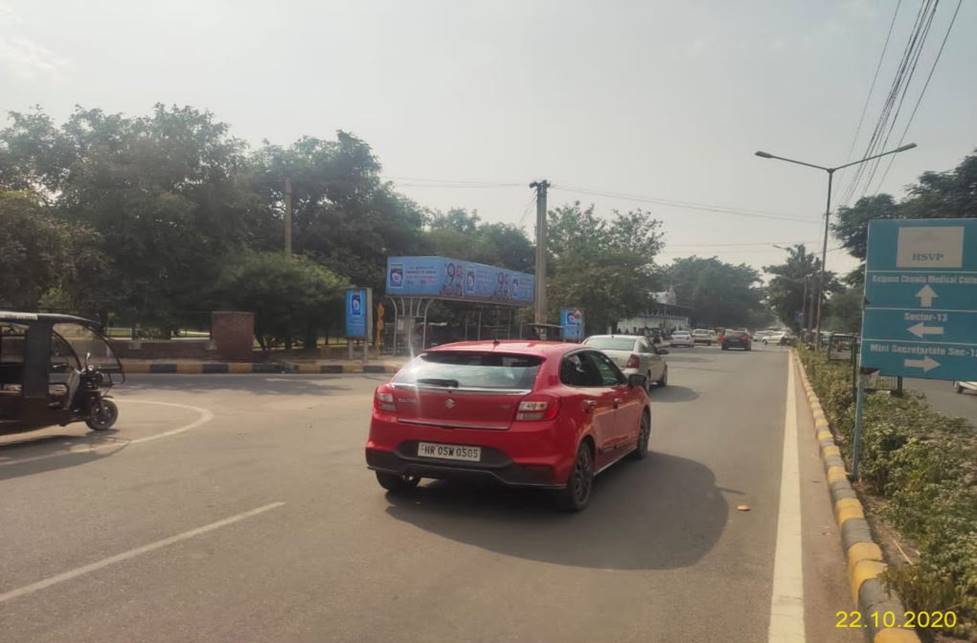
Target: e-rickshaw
55, 370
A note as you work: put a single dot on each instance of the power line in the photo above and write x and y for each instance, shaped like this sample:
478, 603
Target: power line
905, 92
525, 210
718, 245
919, 99
453, 183
689, 205
896, 87
875, 77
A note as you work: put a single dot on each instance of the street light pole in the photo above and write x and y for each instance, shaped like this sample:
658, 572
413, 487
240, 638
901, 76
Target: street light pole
827, 214
539, 305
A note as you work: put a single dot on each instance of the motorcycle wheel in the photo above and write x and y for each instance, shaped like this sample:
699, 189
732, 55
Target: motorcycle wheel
103, 416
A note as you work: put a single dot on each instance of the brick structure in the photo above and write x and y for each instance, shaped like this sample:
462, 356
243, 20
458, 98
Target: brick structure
233, 333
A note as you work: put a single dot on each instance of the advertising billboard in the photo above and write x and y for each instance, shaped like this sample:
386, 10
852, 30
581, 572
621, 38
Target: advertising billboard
357, 304
571, 319
455, 279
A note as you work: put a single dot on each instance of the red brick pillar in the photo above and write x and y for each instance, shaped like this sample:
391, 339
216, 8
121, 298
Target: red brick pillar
233, 333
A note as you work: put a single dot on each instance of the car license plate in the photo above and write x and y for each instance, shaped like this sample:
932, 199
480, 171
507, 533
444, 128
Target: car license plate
449, 451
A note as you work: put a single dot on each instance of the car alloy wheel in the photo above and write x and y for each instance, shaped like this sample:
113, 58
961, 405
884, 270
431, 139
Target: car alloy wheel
576, 495
644, 437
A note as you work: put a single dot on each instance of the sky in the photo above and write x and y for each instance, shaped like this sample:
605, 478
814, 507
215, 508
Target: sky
647, 101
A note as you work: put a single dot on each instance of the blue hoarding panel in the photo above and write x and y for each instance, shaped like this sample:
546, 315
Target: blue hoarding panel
571, 319
920, 316
454, 279
356, 303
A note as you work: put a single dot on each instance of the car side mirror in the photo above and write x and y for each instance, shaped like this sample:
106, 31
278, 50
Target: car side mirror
637, 380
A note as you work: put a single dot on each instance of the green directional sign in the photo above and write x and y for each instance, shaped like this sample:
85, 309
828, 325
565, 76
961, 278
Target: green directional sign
920, 316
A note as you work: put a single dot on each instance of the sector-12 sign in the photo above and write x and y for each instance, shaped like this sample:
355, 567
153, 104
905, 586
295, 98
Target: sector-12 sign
920, 316
448, 278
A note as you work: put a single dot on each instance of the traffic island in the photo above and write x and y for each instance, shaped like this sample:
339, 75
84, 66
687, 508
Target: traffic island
882, 609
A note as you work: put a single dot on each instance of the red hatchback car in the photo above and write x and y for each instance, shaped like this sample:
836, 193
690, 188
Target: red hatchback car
526, 413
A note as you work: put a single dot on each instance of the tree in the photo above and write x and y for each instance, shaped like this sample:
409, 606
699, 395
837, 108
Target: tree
951, 194
844, 311
719, 293
290, 296
42, 256
463, 235
163, 192
797, 275
604, 267
344, 216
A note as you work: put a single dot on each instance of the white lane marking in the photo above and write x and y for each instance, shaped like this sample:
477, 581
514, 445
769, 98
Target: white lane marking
787, 601
120, 443
205, 416
132, 553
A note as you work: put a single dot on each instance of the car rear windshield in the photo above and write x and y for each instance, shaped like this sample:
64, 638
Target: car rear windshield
467, 369
611, 343
735, 333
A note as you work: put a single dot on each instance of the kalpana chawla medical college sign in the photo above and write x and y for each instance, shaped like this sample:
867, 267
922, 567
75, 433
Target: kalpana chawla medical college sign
445, 278
920, 316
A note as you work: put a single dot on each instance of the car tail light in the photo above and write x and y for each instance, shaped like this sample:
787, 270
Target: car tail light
538, 407
633, 362
383, 399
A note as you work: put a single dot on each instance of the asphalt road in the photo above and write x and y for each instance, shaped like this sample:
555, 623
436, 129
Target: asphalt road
944, 399
238, 508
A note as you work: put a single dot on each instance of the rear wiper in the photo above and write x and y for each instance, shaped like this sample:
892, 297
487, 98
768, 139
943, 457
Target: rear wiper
433, 381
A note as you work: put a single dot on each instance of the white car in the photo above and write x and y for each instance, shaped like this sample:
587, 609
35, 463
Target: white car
960, 387
704, 336
682, 338
633, 354
777, 337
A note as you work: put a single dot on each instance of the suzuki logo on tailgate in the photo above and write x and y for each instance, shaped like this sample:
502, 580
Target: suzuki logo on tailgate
449, 403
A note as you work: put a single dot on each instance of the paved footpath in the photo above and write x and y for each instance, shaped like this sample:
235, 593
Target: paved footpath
238, 508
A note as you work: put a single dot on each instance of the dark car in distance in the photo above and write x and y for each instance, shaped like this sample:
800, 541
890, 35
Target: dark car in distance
736, 339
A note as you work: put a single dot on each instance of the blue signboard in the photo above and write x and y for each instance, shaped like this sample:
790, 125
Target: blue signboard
571, 320
356, 310
920, 317
455, 279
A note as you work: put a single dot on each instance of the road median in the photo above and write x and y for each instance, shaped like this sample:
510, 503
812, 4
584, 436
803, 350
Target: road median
865, 559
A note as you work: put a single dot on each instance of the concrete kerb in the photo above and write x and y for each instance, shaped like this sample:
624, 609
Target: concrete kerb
287, 367
864, 556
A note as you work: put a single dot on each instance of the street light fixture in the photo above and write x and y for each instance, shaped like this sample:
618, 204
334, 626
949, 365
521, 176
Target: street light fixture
827, 212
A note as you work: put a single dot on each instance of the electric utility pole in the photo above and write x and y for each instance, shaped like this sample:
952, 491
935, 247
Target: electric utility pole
288, 216
540, 291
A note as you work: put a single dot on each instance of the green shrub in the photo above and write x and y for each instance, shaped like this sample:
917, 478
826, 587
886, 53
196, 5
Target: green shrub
924, 465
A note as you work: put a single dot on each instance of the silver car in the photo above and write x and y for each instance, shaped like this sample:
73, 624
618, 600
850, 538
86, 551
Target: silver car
633, 354
960, 387
682, 338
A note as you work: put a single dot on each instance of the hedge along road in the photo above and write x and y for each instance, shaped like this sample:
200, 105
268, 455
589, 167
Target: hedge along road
265, 524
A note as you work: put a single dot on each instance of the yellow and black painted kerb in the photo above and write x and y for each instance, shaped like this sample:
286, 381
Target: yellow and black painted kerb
205, 368
865, 560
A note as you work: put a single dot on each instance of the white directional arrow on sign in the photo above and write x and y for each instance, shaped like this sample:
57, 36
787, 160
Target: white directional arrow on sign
921, 330
926, 296
927, 363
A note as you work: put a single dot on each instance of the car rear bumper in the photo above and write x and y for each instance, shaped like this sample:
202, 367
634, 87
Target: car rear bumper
500, 469
536, 454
